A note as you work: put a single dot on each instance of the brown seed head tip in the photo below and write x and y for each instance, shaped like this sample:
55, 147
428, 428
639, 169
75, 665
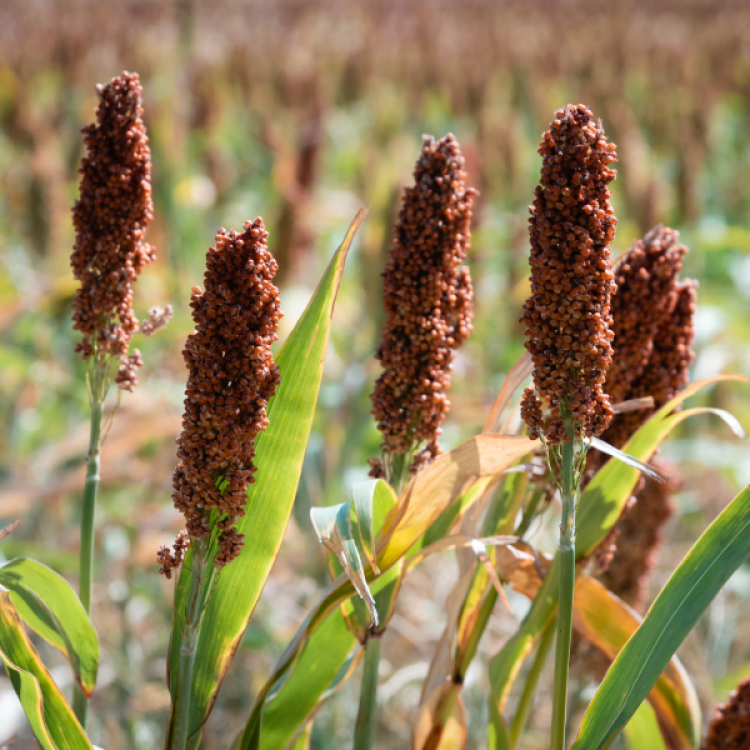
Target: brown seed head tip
110, 219
428, 299
232, 375
730, 727
567, 317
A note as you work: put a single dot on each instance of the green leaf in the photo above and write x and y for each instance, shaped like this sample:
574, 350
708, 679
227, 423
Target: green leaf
30, 694
373, 500
52, 719
723, 547
334, 528
319, 663
47, 604
279, 457
642, 731
608, 623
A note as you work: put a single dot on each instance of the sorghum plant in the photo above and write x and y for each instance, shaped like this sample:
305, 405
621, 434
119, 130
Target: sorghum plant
568, 328
428, 300
232, 376
110, 219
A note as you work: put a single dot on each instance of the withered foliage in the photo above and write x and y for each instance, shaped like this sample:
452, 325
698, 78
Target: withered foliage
567, 317
232, 375
110, 219
428, 301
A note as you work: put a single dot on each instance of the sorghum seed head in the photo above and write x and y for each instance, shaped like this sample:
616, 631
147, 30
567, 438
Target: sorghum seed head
646, 278
666, 372
730, 727
567, 316
232, 375
110, 219
428, 301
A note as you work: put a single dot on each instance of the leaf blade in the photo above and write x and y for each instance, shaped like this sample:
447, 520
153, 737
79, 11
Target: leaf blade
66, 625
721, 549
62, 727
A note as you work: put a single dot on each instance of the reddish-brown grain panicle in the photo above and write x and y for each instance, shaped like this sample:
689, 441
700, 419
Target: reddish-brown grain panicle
232, 375
110, 219
567, 316
667, 370
646, 278
428, 301
730, 727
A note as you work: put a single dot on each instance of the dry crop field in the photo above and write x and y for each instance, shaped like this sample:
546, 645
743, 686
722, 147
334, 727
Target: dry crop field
445, 304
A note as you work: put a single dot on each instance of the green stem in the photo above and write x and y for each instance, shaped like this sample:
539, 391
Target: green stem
567, 589
88, 517
529, 689
364, 729
194, 607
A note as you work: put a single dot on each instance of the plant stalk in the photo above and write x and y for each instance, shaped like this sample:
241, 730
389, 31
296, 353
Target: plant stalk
88, 515
364, 729
194, 607
567, 589
526, 702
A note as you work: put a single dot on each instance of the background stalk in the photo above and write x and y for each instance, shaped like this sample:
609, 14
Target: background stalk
194, 608
364, 729
567, 589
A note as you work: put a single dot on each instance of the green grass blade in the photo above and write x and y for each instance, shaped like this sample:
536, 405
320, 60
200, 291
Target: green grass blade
58, 724
279, 457
642, 731
47, 604
30, 695
700, 576
319, 663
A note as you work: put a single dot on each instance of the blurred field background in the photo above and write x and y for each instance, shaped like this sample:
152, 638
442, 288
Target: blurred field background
301, 112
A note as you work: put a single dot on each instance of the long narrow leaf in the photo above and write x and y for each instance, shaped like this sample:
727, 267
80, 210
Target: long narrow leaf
723, 547
279, 457
321, 660
48, 605
58, 723
607, 623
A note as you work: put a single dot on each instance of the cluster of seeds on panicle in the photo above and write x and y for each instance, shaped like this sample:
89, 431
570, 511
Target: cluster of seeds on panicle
171, 561
646, 278
666, 372
567, 316
110, 220
730, 727
428, 301
640, 533
232, 377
